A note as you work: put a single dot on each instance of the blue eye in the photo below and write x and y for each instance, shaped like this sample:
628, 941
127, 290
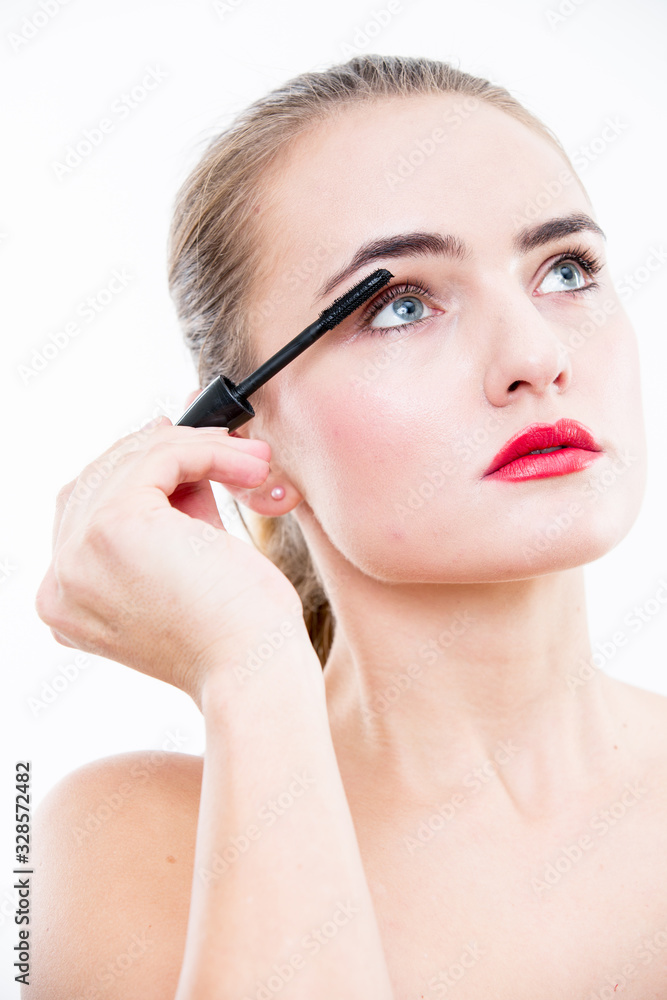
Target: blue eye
564, 270
407, 307
395, 304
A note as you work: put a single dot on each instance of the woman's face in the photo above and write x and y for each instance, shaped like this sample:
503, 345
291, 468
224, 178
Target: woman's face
385, 428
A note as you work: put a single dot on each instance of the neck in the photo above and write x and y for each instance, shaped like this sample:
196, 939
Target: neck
428, 682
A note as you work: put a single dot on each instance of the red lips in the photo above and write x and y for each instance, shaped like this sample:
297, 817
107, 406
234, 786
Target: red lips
565, 432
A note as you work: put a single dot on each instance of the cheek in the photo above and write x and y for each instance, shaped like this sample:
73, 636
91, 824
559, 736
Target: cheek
607, 373
363, 443
607, 389
375, 452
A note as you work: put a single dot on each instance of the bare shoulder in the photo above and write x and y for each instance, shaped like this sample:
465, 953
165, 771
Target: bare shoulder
641, 707
642, 716
113, 853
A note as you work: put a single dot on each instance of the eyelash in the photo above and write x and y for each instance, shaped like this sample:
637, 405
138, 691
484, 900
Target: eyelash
582, 256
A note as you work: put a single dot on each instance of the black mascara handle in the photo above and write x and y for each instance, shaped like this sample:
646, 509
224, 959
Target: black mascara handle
223, 404
218, 405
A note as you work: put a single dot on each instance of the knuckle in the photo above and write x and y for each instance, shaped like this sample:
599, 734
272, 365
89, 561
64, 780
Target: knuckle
62, 639
162, 448
44, 599
64, 493
104, 465
65, 573
98, 533
126, 446
50, 608
165, 453
76, 564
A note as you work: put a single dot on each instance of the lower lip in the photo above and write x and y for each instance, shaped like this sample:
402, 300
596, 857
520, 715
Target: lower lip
553, 463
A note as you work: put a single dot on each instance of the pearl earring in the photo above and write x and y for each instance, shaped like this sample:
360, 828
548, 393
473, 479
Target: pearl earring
278, 492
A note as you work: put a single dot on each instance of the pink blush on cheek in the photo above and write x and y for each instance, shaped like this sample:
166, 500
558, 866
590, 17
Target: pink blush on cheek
396, 535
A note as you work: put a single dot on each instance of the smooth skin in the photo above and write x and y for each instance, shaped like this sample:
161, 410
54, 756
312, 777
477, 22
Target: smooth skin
510, 819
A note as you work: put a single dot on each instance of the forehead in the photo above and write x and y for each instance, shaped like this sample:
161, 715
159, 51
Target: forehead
428, 162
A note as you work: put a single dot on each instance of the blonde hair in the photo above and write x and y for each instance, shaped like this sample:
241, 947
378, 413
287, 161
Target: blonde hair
216, 247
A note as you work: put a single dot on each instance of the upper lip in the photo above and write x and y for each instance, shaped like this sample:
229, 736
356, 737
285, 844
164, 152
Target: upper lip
563, 432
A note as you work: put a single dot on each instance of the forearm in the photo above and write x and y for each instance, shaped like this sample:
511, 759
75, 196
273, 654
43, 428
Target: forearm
280, 898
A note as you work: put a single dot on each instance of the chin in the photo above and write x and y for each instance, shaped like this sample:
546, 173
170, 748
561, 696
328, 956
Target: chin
580, 534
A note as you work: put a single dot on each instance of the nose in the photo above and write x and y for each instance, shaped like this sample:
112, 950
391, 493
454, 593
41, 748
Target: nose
525, 353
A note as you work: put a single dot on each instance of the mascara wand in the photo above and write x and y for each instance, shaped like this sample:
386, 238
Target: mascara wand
224, 404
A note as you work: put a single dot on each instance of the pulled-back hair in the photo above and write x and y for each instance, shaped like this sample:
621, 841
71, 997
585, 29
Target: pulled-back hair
216, 246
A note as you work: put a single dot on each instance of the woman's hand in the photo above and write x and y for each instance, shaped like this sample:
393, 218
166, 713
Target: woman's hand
143, 571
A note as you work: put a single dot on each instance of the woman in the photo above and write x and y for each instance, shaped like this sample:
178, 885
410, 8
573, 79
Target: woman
461, 803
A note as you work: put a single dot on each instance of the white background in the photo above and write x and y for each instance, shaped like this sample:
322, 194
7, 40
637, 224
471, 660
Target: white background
61, 239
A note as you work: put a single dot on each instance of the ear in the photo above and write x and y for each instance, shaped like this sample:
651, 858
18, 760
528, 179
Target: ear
259, 499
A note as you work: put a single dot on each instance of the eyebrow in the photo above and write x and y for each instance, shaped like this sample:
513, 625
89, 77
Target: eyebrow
423, 244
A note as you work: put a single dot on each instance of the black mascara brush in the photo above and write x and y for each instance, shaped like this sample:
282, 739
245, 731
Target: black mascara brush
223, 404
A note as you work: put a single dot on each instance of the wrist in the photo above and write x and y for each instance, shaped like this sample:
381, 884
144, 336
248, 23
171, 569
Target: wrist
278, 662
